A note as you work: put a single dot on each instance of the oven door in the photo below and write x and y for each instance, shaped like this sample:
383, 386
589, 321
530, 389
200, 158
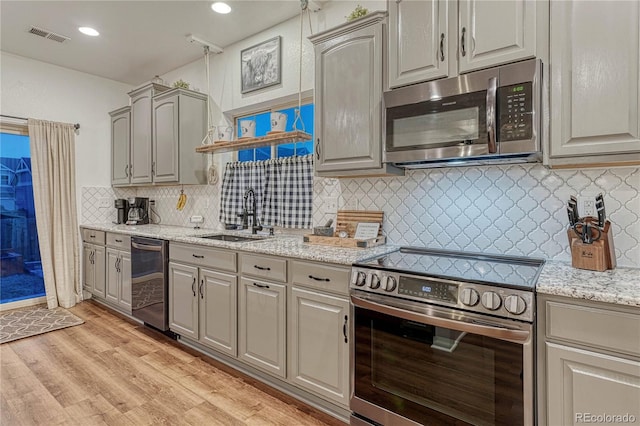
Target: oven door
414, 363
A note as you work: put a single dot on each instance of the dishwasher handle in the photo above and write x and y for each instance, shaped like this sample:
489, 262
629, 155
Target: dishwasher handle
146, 247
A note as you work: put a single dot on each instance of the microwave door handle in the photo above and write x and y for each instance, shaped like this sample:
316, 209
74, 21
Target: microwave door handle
491, 114
501, 333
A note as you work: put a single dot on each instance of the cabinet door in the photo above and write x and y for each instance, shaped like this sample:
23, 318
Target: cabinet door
183, 302
348, 98
318, 344
120, 143
141, 138
495, 32
99, 271
261, 327
580, 382
418, 41
595, 93
124, 297
165, 139
88, 269
218, 311
113, 275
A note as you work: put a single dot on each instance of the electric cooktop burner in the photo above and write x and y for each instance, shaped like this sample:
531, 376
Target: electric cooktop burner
496, 285
514, 272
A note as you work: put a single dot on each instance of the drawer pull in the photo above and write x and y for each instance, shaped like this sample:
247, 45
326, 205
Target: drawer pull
198, 256
344, 329
118, 241
261, 285
319, 279
92, 236
262, 268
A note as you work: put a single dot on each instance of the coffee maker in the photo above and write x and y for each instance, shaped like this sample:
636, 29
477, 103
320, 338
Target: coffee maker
122, 206
138, 211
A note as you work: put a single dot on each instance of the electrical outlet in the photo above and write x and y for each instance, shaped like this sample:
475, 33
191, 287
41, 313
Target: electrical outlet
105, 203
587, 206
331, 205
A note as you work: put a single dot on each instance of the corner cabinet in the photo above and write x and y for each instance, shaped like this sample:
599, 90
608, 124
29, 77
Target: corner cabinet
595, 83
179, 125
590, 370
348, 98
118, 272
93, 262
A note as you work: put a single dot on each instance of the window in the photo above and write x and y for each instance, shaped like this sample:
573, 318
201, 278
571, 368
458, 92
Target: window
263, 125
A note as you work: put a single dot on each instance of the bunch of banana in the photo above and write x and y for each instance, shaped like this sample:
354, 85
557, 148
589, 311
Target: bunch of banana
182, 200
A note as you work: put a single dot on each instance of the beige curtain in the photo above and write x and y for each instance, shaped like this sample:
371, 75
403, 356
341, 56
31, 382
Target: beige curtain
54, 192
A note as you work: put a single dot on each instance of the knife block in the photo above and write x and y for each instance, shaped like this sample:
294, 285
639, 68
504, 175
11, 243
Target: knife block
598, 256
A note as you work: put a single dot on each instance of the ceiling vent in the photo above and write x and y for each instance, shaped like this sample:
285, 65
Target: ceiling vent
48, 34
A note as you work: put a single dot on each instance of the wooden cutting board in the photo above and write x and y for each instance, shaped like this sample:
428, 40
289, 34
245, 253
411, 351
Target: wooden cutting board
347, 220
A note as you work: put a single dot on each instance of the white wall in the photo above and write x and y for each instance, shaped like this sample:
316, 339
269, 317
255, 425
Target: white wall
39, 90
225, 67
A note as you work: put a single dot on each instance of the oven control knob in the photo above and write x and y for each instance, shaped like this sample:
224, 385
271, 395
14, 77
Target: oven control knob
470, 297
491, 300
375, 281
515, 304
391, 284
360, 279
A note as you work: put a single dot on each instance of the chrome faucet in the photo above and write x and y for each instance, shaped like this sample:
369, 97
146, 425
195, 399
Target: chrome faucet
255, 223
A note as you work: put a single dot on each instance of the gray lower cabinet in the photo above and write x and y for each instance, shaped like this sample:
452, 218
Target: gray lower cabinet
93, 270
590, 353
202, 306
262, 325
183, 300
319, 344
118, 278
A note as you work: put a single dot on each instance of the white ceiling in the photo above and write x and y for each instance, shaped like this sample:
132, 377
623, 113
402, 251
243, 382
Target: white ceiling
138, 39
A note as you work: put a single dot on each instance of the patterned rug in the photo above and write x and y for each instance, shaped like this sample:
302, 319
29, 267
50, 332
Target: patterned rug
27, 322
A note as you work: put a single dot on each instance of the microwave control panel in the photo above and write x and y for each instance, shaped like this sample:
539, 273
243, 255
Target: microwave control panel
515, 104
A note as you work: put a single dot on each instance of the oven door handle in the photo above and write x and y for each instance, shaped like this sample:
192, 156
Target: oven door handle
501, 333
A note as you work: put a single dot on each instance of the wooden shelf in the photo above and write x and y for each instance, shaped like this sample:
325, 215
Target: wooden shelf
268, 140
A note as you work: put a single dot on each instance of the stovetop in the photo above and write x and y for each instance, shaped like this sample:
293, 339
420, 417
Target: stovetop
496, 270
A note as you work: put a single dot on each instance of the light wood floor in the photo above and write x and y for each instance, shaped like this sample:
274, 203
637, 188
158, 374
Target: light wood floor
115, 372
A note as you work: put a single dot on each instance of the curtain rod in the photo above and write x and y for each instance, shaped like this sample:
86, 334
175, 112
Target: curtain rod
75, 126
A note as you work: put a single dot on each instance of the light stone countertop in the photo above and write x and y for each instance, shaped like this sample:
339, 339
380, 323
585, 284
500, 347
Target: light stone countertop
279, 245
620, 286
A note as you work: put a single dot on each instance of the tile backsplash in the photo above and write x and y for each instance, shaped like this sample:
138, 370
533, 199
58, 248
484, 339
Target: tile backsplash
511, 209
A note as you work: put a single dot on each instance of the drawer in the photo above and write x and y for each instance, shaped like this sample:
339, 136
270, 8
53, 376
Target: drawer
271, 268
203, 256
93, 236
119, 241
601, 328
321, 276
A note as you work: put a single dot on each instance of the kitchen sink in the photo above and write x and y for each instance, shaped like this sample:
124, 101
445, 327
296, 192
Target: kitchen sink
231, 238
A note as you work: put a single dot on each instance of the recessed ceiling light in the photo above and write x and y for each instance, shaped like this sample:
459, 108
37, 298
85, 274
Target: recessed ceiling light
221, 7
88, 31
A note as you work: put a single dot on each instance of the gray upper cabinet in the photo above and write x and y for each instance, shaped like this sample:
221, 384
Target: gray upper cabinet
595, 84
179, 125
348, 98
120, 146
496, 32
418, 41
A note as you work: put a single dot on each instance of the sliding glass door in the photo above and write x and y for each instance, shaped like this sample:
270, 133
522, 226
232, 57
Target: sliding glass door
21, 269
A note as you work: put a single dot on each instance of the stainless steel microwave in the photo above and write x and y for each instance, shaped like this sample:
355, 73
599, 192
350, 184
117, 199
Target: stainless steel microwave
483, 117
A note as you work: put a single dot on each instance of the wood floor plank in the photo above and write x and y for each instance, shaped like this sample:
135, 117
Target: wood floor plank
113, 371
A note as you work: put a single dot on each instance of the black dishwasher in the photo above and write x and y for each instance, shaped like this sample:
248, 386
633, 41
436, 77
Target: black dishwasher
149, 281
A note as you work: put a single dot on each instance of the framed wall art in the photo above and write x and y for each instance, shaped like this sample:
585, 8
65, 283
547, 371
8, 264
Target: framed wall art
261, 65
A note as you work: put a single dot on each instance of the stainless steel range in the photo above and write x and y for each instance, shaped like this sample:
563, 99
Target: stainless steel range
443, 337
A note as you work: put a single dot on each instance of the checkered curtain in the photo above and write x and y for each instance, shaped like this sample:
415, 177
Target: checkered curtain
283, 186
